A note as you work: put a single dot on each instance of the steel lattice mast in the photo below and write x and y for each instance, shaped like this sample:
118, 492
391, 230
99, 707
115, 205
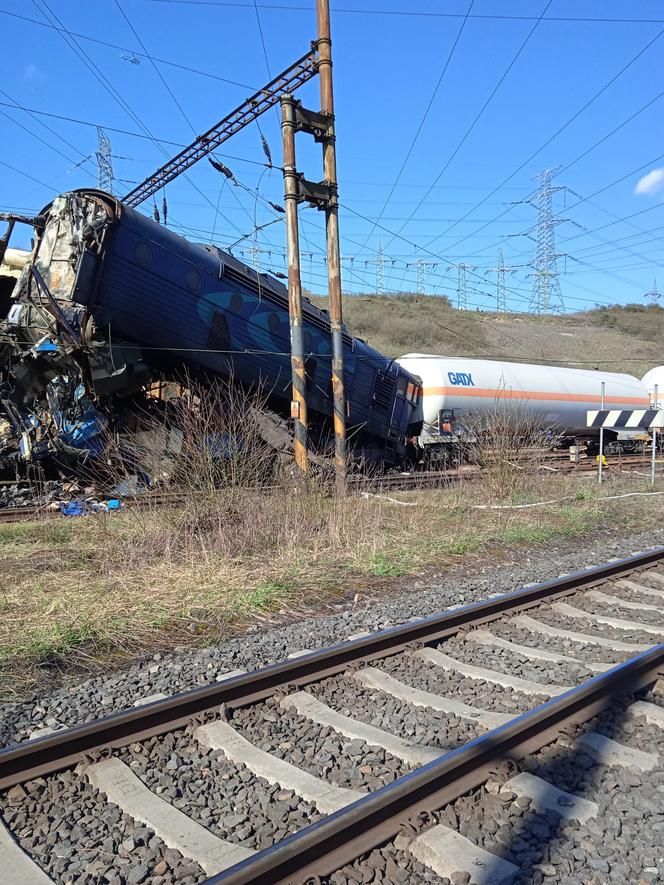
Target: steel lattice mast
500, 271
654, 295
501, 295
269, 96
104, 162
462, 284
379, 261
421, 267
547, 294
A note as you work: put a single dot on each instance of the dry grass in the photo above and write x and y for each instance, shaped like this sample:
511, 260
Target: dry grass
619, 338
97, 591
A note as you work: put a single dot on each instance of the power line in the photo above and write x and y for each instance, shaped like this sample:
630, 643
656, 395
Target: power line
599, 191
416, 13
25, 175
162, 61
40, 139
13, 103
107, 128
260, 32
477, 117
104, 81
156, 69
423, 120
545, 144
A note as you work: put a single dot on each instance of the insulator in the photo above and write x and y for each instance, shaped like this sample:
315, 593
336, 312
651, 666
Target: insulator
155, 213
266, 150
276, 207
164, 209
221, 168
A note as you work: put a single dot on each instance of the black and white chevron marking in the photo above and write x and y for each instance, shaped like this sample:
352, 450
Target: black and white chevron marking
627, 419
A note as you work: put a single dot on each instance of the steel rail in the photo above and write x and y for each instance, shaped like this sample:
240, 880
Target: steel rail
33, 758
414, 480
340, 838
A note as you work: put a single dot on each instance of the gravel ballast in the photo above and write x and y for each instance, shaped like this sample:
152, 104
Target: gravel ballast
471, 580
548, 615
225, 798
419, 725
505, 661
76, 836
387, 865
623, 843
474, 692
507, 629
317, 749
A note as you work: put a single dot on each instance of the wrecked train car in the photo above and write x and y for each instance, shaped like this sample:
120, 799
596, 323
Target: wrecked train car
111, 301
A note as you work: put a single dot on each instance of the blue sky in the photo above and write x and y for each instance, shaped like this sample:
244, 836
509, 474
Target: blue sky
389, 56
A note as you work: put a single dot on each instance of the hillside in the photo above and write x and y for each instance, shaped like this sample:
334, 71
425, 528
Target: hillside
619, 339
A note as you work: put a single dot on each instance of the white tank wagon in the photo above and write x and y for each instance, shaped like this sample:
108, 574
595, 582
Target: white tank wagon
557, 398
655, 378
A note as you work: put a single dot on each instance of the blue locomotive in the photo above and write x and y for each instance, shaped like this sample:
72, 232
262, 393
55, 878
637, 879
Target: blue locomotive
111, 301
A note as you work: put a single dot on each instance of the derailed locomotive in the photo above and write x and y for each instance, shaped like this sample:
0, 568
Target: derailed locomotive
110, 301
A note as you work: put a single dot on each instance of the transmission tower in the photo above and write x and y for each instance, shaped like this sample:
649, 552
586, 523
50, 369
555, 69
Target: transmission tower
501, 297
501, 289
379, 261
547, 295
104, 162
654, 295
462, 285
421, 265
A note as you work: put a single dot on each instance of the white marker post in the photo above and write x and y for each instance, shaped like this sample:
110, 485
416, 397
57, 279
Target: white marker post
601, 437
654, 439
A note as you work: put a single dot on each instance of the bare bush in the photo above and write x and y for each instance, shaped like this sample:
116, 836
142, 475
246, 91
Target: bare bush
206, 437
507, 442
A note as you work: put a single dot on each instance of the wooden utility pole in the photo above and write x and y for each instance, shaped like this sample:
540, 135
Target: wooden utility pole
332, 236
322, 195
292, 198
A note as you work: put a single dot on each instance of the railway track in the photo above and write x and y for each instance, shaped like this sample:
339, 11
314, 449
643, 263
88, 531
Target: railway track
426, 479
435, 750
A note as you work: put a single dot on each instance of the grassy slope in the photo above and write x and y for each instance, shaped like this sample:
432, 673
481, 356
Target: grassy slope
81, 596
619, 339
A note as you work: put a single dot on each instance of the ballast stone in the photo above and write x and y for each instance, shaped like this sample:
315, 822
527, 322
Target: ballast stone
610, 599
307, 705
17, 867
374, 677
653, 713
124, 789
449, 854
326, 797
610, 752
535, 626
640, 588
485, 637
433, 656
619, 623
546, 797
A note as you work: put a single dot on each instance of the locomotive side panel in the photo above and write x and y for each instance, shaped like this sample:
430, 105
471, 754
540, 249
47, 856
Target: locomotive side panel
138, 302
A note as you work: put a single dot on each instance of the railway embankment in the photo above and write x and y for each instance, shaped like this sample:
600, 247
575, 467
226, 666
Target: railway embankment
166, 598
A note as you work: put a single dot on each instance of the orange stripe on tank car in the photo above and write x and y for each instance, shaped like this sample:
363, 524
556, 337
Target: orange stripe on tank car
485, 392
